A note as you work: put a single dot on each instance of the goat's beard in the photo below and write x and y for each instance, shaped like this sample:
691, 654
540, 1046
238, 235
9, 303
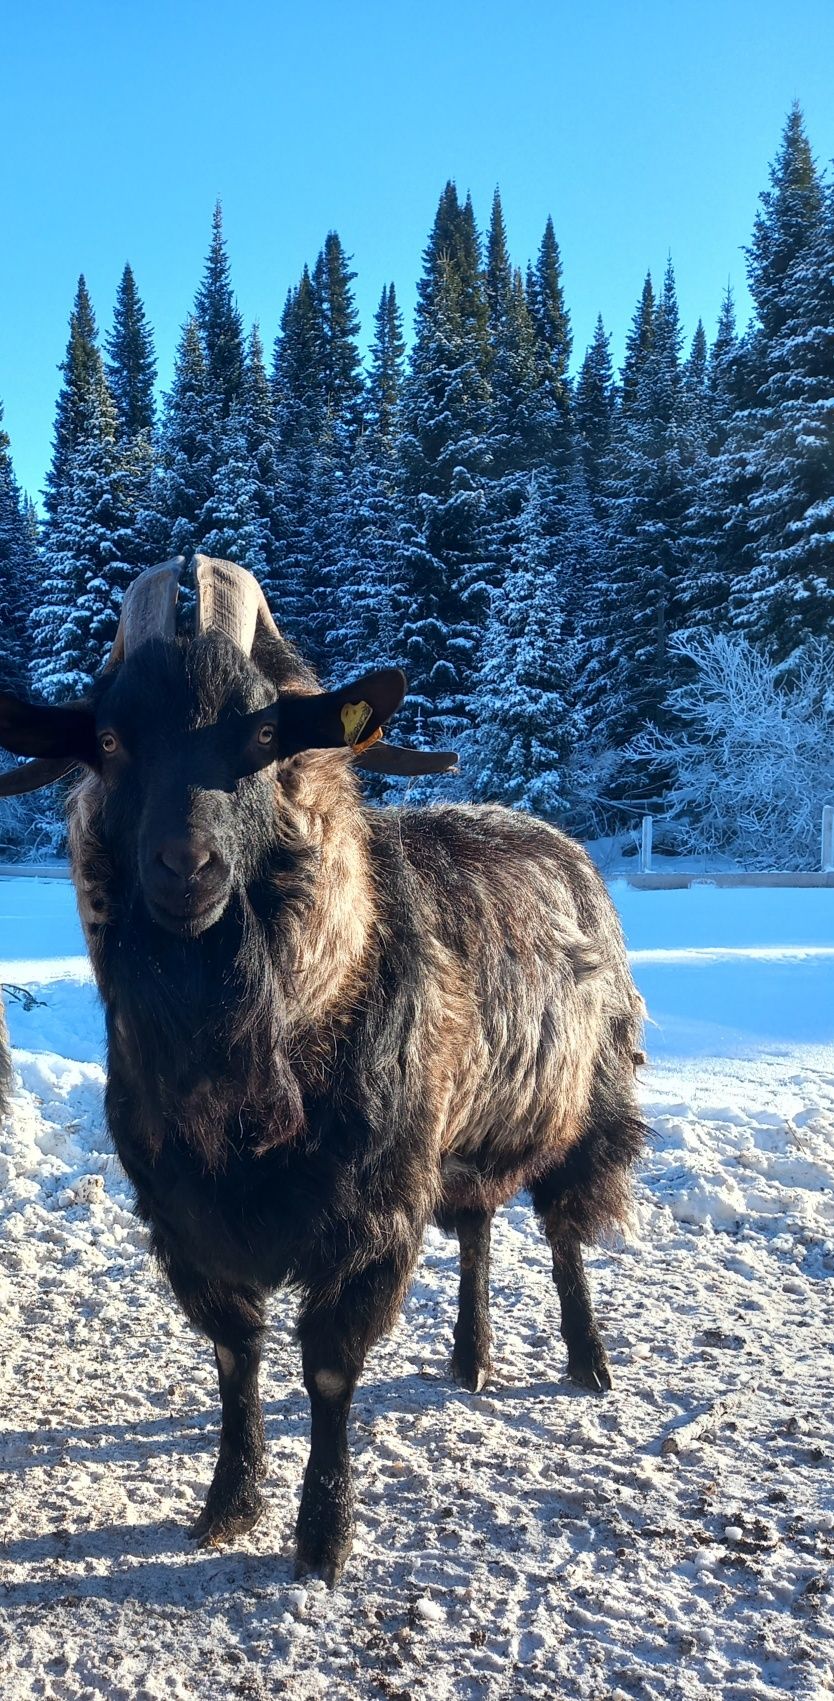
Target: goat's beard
258, 1023
216, 1006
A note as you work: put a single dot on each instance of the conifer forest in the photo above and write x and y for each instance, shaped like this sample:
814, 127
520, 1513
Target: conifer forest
610, 590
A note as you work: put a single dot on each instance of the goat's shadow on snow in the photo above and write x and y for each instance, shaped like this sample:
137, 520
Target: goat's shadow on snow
197, 1431
154, 1561
150, 1562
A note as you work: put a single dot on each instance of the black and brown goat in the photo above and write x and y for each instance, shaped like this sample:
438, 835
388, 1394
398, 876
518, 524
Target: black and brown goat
5, 1063
328, 1024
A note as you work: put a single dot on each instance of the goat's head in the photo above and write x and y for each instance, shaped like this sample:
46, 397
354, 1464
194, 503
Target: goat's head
182, 731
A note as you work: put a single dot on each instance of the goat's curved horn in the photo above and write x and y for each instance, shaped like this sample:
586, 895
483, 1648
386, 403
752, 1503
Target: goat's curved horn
149, 609
33, 776
230, 600
385, 758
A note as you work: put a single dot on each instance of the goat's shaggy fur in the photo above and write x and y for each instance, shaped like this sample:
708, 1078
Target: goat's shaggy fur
401, 1016
5, 1063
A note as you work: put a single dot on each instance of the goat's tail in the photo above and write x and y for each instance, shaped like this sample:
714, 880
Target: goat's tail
588, 1192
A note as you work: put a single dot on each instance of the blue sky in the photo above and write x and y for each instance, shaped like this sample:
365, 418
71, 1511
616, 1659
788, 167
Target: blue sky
643, 127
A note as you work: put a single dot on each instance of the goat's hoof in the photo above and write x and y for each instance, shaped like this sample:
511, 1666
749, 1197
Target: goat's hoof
329, 1570
324, 1530
471, 1374
213, 1528
324, 1559
588, 1367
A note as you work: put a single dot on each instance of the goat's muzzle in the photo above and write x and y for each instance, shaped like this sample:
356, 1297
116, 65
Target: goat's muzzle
186, 884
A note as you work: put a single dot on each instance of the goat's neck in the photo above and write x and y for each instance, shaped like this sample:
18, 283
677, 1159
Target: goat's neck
330, 933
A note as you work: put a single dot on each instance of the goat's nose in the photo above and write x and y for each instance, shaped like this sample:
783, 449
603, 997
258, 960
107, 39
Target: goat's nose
185, 858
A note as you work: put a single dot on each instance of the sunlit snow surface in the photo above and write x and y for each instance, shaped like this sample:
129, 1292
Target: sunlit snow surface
675, 1539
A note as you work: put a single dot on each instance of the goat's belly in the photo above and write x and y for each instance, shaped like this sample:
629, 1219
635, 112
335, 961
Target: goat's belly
529, 1096
520, 1101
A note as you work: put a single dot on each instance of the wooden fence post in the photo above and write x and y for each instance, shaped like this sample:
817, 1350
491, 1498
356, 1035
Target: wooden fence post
646, 846
827, 857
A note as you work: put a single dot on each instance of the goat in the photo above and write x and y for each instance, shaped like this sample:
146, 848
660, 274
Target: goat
5, 1063
328, 1024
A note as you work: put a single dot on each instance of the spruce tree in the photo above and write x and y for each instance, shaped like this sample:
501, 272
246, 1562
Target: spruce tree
338, 357
446, 397
696, 411
788, 216
257, 416
786, 598
516, 441
638, 343
18, 573
650, 496
722, 374
754, 494
297, 377
454, 244
298, 398
366, 608
387, 371
131, 364
519, 437
342, 396
442, 453
131, 372
717, 507
232, 523
84, 401
550, 316
594, 408
498, 277
188, 454
87, 540
84, 577
220, 323
525, 725
664, 358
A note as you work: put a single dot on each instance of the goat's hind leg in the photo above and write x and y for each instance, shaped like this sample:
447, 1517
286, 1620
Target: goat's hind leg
585, 1195
587, 1358
471, 1362
234, 1321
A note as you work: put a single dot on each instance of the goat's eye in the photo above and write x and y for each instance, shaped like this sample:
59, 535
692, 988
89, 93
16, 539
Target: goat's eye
266, 734
108, 743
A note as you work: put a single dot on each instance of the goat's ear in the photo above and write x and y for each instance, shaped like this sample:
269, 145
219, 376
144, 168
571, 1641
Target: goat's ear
63, 731
327, 720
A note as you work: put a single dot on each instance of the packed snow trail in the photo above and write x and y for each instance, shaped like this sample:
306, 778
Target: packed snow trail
675, 1539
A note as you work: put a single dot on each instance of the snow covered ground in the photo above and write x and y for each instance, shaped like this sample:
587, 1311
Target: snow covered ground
675, 1539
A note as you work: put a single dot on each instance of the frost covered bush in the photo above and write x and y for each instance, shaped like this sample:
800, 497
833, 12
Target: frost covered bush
31, 827
594, 773
752, 763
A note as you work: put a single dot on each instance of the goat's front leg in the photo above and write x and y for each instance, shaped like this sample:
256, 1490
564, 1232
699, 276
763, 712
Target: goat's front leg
235, 1503
334, 1342
234, 1321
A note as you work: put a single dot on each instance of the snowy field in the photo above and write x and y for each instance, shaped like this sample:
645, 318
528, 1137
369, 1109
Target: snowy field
674, 1539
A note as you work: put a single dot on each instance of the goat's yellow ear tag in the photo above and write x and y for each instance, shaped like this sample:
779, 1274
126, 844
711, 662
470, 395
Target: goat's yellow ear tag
355, 717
